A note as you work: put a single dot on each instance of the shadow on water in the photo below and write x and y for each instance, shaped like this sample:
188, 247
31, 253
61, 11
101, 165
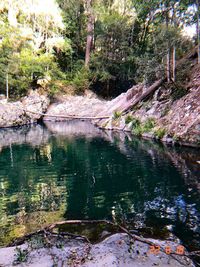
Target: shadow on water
72, 170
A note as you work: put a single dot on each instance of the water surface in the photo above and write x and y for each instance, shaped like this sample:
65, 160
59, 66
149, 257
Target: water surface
75, 171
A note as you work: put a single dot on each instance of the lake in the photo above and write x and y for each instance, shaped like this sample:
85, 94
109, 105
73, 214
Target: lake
72, 170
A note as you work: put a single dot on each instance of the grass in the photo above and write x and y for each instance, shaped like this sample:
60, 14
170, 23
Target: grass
149, 124
128, 119
139, 128
159, 133
20, 256
117, 115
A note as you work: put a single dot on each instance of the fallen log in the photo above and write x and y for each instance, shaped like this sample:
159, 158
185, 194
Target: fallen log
143, 96
67, 116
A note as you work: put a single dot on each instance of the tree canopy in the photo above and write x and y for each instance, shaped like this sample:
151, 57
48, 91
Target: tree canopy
107, 45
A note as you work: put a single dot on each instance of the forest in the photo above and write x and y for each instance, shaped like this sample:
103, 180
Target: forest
104, 45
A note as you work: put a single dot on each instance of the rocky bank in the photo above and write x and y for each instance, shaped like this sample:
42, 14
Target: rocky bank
115, 251
166, 111
169, 112
23, 112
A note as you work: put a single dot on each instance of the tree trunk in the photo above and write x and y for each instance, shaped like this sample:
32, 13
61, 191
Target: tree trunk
198, 31
7, 87
131, 103
174, 63
168, 50
168, 66
12, 14
90, 30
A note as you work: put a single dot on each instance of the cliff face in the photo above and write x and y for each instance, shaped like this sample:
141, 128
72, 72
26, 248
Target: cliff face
171, 113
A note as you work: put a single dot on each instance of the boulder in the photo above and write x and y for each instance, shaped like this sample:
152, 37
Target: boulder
26, 111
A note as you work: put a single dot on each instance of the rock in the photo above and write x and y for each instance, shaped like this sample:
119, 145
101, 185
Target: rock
168, 140
16, 113
35, 103
43, 82
114, 251
104, 234
2, 96
148, 135
81, 106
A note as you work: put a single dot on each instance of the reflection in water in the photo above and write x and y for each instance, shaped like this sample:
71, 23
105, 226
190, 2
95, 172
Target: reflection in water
73, 170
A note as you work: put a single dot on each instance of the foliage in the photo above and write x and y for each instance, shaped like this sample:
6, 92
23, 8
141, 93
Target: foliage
28, 41
117, 115
21, 255
178, 91
130, 43
128, 119
136, 126
81, 81
36, 242
159, 133
139, 128
149, 124
136, 122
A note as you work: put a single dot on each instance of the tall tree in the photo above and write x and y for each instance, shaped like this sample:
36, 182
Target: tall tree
198, 29
90, 30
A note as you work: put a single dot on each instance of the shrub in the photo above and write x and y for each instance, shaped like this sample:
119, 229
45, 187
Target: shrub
117, 115
159, 133
80, 81
149, 124
138, 130
128, 119
21, 256
137, 126
136, 122
178, 92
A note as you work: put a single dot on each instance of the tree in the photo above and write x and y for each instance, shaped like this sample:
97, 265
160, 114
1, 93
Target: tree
90, 31
30, 33
198, 30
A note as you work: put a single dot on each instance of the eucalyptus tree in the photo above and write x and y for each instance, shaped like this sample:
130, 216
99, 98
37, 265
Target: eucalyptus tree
161, 22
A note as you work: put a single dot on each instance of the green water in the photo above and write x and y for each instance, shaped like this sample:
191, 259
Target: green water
75, 171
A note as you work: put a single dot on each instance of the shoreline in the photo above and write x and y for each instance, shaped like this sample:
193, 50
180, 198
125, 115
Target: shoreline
116, 250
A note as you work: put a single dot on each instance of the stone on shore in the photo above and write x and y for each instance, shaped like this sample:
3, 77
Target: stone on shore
16, 113
114, 251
